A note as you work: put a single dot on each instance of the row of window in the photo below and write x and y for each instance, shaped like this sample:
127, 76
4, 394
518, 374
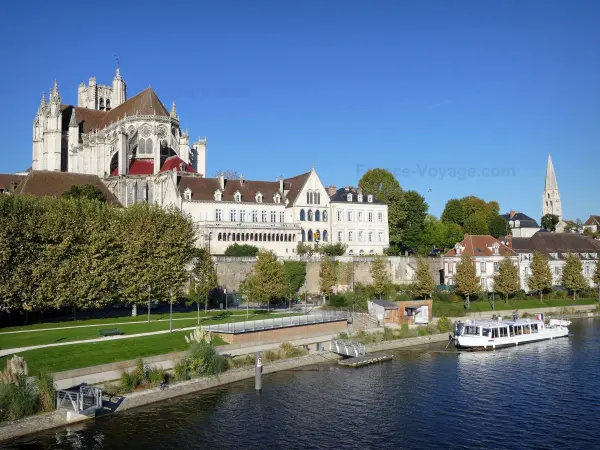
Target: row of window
317, 216
482, 267
359, 236
257, 237
360, 216
250, 216
311, 236
359, 198
237, 196
313, 198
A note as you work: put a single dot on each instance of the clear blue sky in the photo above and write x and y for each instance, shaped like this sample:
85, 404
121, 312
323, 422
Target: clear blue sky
418, 86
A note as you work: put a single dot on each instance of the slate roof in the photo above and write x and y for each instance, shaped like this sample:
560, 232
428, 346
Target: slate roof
525, 221
478, 245
204, 189
385, 304
547, 243
294, 185
43, 183
9, 182
341, 195
593, 220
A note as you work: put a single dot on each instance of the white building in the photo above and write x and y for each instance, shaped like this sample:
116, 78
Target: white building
486, 253
521, 225
592, 224
358, 221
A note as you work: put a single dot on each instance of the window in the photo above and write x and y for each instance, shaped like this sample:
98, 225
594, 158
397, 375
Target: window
259, 198
484, 283
187, 194
232, 215
517, 223
237, 197
218, 215
349, 197
360, 216
145, 147
340, 215
325, 216
450, 268
371, 236
380, 236
350, 216
282, 217
277, 198
370, 217
243, 215
303, 236
263, 216
340, 236
317, 215
310, 215
350, 236
254, 216
361, 236
482, 267
496, 267
218, 195
318, 198
302, 215
370, 198
359, 198
556, 270
325, 236
273, 216
380, 217
309, 235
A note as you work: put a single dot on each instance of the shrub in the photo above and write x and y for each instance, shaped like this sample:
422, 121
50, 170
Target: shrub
271, 355
343, 336
18, 399
388, 334
290, 351
157, 376
203, 359
561, 295
181, 371
46, 391
444, 324
520, 295
241, 250
129, 381
403, 297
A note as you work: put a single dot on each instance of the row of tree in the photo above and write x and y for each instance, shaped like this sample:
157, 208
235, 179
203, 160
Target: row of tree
79, 252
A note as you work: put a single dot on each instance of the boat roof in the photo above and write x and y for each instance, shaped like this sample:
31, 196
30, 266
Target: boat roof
498, 323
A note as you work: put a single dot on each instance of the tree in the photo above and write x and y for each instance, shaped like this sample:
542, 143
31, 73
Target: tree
499, 227
506, 280
228, 174
476, 224
572, 275
381, 278
327, 277
204, 281
337, 249
295, 274
549, 222
541, 277
304, 249
596, 277
440, 235
466, 280
424, 284
385, 188
88, 191
267, 281
454, 212
414, 223
241, 250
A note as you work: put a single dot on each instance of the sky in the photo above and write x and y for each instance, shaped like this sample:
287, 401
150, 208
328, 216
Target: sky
455, 97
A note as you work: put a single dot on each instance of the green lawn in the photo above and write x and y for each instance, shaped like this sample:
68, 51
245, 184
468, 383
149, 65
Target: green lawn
137, 319
15, 340
57, 359
449, 309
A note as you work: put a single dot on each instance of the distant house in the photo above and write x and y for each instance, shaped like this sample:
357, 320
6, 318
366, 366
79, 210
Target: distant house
385, 312
486, 253
9, 183
592, 224
521, 225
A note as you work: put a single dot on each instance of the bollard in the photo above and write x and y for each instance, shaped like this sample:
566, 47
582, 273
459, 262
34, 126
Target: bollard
258, 372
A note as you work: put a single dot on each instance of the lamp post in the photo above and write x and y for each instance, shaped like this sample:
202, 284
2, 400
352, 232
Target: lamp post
149, 292
208, 237
225, 292
171, 312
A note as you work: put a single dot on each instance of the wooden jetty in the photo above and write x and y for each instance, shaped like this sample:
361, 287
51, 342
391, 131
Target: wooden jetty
365, 360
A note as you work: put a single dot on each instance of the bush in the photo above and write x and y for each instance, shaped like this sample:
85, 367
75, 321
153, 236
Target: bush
241, 250
18, 400
181, 371
271, 355
343, 336
46, 391
444, 324
203, 359
403, 297
388, 334
290, 351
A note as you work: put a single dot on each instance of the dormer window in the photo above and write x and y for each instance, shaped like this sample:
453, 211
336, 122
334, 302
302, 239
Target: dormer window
359, 198
259, 197
458, 249
517, 223
218, 195
187, 194
237, 196
277, 198
349, 197
496, 248
370, 198
511, 223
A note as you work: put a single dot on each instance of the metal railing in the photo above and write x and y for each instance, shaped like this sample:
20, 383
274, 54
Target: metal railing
87, 398
348, 348
279, 322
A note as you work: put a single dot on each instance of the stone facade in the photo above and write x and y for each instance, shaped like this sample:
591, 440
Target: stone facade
551, 203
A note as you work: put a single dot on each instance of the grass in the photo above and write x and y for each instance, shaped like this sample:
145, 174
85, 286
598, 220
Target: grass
451, 309
58, 359
16, 340
285, 351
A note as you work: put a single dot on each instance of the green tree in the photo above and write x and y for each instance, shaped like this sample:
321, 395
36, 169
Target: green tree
338, 249
476, 224
327, 276
465, 279
541, 277
295, 274
88, 191
204, 281
499, 227
241, 250
549, 222
423, 283
596, 278
506, 280
440, 235
414, 224
572, 275
304, 249
266, 282
385, 188
381, 277
454, 212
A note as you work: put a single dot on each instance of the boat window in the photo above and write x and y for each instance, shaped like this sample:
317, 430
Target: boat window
534, 327
511, 330
518, 330
486, 332
471, 330
503, 332
495, 332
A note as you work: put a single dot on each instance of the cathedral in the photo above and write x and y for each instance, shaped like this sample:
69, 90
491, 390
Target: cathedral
129, 143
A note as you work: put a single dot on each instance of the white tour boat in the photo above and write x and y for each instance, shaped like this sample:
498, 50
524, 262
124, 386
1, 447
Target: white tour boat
496, 333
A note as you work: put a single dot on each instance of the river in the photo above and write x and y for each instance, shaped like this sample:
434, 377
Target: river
540, 395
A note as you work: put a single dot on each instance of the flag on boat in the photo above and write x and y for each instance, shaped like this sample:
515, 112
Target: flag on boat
539, 316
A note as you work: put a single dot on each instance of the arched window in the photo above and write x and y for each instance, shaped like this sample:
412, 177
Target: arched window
308, 197
145, 147
361, 252
325, 236
302, 215
101, 105
219, 237
318, 198
260, 237
310, 235
324, 216
108, 104
310, 215
317, 216
303, 236
351, 252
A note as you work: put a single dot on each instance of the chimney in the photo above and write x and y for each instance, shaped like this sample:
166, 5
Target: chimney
347, 188
331, 190
281, 184
241, 179
222, 181
511, 214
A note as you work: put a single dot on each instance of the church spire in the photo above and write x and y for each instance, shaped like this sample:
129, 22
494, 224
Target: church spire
73, 121
550, 176
42, 108
551, 203
173, 111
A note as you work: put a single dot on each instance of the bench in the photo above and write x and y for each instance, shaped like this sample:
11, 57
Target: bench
110, 332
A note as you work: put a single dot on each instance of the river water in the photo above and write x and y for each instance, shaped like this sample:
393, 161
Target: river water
541, 395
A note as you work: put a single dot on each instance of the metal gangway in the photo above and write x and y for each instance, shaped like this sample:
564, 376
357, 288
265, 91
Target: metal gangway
348, 348
83, 399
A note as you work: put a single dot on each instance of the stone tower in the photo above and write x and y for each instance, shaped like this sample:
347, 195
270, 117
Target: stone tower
551, 197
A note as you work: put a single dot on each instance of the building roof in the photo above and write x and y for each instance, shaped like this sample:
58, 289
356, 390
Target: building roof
205, 188
524, 221
294, 185
175, 162
593, 220
480, 245
145, 166
43, 183
341, 195
385, 304
144, 103
547, 243
9, 181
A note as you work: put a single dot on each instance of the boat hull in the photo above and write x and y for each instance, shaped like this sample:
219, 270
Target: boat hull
477, 344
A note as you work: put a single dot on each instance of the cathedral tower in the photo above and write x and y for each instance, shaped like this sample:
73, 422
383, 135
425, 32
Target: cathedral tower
551, 197
119, 94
